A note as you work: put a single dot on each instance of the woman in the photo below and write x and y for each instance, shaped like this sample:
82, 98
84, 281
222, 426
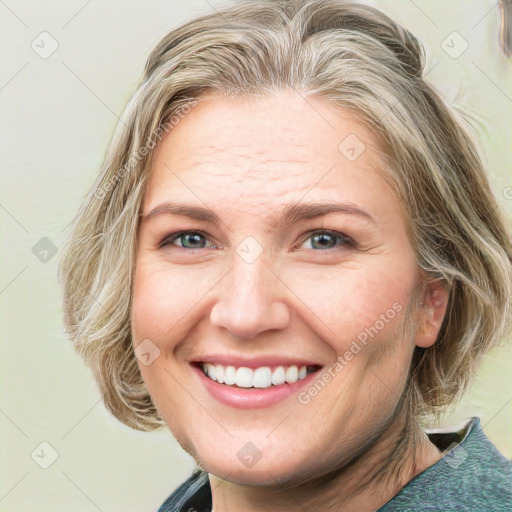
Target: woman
293, 259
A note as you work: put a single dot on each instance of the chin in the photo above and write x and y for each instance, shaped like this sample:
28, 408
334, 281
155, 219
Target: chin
261, 470
264, 476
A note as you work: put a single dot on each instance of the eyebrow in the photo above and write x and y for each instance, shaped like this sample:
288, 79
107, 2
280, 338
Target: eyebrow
287, 215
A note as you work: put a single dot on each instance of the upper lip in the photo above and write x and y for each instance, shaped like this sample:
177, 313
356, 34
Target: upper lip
254, 362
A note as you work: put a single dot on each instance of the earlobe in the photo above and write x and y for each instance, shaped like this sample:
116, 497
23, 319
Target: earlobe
431, 313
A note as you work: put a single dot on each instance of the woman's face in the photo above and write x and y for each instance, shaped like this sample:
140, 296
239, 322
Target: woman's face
261, 279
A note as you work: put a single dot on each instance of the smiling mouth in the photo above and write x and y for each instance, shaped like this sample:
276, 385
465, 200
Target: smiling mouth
258, 378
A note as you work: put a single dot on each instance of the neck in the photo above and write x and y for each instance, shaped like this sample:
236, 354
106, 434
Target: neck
362, 485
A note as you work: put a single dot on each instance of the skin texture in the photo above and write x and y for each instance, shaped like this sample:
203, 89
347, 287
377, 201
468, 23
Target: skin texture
244, 159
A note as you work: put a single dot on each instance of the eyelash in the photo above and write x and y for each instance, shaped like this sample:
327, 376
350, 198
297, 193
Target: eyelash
170, 239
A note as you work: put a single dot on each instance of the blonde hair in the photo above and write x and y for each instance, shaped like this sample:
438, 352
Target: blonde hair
349, 54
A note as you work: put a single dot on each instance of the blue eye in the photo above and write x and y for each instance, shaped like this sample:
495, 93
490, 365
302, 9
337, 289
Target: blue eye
189, 240
327, 239
196, 240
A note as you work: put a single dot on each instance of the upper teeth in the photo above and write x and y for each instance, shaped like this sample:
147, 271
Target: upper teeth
262, 377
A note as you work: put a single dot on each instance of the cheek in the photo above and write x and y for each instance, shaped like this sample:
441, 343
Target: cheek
162, 299
359, 301
160, 302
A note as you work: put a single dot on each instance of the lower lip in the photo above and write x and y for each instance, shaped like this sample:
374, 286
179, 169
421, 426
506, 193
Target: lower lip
251, 398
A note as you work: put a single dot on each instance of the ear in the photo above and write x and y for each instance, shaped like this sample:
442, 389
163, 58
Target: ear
431, 313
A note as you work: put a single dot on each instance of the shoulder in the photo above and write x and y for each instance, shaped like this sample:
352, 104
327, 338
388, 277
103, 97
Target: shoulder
472, 476
193, 494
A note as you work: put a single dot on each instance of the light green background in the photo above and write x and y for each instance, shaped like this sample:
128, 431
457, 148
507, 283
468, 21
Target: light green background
57, 115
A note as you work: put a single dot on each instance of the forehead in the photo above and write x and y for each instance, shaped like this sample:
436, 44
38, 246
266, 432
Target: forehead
274, 148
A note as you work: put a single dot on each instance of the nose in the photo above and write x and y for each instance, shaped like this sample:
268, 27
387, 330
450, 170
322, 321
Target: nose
250, 300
